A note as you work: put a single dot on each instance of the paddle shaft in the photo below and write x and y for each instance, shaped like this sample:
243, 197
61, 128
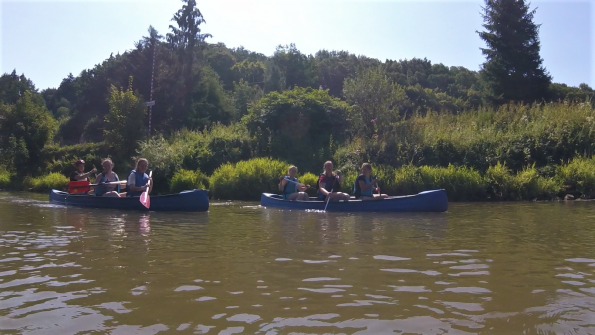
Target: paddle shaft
329, 196
109, 183
295, 182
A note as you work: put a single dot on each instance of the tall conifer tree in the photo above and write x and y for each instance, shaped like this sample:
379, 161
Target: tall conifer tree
513, 69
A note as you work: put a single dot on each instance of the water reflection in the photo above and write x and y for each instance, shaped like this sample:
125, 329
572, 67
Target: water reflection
495, 268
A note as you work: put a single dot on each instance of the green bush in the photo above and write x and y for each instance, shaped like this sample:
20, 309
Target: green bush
309, 179
460, 183
246, 180
4, 179
188, 180
578, 174
196, 150
45, 183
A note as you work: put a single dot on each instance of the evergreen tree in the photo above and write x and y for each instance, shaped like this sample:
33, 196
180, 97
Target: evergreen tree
513, 69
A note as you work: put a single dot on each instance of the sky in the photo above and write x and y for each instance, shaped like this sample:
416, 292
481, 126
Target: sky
47, 40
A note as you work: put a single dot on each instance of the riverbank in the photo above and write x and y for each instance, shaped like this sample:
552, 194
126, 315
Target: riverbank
246, 180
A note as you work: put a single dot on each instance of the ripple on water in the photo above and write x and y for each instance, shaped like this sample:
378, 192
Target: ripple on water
205, 298
248, 318
321, 279
188, 288
471, 290
426, 272
391, 258
321, 290
412, 289
317, 262
580, 260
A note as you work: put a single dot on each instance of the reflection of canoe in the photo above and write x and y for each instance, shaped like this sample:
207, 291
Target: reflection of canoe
428, 201
187, 201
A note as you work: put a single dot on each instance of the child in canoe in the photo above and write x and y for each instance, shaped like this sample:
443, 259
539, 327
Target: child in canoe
291, 188
138, 180
79, 173
364, 185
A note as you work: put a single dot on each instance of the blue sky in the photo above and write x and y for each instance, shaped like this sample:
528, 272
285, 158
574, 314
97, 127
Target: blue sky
46, 40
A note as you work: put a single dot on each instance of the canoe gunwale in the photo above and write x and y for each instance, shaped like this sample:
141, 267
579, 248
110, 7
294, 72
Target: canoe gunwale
427, 201
185, 201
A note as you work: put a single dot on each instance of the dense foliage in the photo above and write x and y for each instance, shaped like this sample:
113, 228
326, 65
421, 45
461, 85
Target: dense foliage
218, 111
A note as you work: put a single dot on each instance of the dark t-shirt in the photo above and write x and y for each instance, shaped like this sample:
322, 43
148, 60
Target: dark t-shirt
73, 177
357, 192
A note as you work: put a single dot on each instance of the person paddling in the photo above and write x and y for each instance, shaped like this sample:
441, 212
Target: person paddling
79, 173
291, 188
138, 179
329, 184
364, 185
110, 190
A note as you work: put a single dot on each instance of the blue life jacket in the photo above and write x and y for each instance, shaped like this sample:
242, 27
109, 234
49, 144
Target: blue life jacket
357, 191
140, 181
102, 189
290, 187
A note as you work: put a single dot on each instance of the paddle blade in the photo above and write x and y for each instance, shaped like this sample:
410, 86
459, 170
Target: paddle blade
145, 200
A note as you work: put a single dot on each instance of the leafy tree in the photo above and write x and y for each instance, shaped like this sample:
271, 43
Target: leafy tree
124, 124
25, 128
302, 125
513, 69
185, 39
12, 87
376, 102
244, 95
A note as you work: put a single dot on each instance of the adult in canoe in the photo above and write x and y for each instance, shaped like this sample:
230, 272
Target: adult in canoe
110, 190
138, 180
291, 187
329, 184
364, 185
79, 173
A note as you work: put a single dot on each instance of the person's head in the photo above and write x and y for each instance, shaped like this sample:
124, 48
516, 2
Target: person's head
141, 165
79, 165
107, 165
328, 167
366, 169
292, 171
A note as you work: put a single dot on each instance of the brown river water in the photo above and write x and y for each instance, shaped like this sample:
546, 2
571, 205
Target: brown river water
492, 268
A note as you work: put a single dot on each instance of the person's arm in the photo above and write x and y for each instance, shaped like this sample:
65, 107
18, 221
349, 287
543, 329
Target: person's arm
131, 184
363, 186
302, 187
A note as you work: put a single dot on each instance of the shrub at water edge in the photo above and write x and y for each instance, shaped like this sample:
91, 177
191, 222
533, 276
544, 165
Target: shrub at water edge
45, 183
578, 174
4, 179
188, 180
246, 180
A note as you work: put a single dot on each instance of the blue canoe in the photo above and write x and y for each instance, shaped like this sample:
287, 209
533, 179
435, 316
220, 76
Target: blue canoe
186, 201
428, 201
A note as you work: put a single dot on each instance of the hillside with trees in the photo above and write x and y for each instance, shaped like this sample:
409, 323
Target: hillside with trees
216, 105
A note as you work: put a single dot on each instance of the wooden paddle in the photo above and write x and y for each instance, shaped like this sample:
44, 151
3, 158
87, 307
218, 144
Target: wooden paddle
144, 198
